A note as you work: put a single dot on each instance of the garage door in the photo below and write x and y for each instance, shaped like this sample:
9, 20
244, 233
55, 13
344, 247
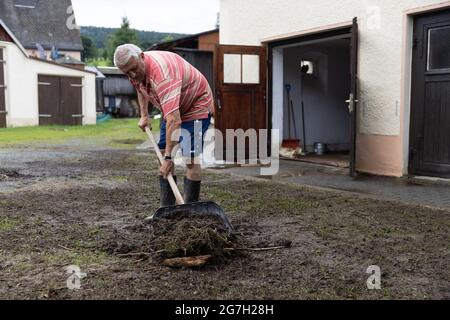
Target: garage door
60, 100
2, 93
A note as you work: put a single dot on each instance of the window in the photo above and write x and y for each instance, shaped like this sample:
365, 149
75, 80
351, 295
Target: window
439, 49
241, 68
31, 4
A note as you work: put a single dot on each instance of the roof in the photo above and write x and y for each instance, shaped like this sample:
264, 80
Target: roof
179, 42
41, 21
62, 65
94, 69
13, 37
111, 71
69, 60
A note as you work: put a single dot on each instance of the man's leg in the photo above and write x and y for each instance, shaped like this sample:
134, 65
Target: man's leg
193, 179
192, 183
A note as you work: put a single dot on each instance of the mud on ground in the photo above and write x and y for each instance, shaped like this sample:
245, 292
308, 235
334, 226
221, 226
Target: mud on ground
69, 205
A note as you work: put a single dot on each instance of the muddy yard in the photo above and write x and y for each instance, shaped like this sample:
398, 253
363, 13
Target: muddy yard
84, 203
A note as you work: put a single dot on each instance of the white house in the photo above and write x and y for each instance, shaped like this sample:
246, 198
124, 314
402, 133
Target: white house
377, 86
36, 91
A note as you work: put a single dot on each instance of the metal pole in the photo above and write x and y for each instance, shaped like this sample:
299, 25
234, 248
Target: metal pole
304, 129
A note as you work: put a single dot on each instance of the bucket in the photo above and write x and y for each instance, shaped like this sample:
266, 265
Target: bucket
291, 144
319, 148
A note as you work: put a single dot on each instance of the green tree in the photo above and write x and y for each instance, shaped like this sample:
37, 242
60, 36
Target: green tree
168, 38
90, 50
123, 35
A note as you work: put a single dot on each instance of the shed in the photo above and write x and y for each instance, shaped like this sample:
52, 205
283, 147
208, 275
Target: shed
34, 91
120, 97
197, 49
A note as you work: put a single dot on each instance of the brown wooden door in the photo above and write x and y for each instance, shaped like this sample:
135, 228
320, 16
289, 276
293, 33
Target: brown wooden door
49, 100
60, 100
353, 99
2, 92
71, 104
430, 100
240, 91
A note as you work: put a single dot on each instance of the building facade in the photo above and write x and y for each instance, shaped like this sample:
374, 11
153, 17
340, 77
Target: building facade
401, 76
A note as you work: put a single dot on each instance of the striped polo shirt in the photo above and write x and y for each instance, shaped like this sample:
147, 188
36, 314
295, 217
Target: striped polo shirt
173, 84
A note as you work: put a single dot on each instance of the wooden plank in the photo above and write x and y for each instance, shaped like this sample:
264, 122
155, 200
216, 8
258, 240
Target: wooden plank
187, 262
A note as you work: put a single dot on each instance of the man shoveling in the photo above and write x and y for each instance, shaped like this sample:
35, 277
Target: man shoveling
182, 93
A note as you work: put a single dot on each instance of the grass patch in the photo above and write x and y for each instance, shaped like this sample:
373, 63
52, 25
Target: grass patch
7, 224
82, 258
122, 129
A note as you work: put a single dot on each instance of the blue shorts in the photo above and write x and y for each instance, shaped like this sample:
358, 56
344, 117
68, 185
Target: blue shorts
192, 137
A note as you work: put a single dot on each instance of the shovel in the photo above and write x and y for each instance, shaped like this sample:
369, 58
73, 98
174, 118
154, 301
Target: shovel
183, 210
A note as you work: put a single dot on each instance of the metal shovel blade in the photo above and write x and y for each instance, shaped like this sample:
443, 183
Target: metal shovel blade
197, 209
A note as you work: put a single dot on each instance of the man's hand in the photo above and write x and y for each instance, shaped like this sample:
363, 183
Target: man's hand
166, 168
143, 123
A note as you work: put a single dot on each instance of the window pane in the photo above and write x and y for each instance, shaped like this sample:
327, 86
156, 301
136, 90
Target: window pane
232, 68
250, 69
25, 3
439, 48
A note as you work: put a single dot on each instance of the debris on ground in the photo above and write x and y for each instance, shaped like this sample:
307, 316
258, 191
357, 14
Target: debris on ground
193, 237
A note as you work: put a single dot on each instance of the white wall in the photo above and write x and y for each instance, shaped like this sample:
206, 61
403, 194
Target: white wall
22, 101
248, 22
278, 91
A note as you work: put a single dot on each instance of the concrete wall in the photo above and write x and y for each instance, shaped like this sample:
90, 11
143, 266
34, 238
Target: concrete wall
22, 101
324, 93
384, 67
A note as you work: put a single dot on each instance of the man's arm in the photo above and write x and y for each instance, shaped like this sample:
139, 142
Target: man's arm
173, 124
143, 105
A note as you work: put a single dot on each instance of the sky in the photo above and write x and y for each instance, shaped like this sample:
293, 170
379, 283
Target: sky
179, 16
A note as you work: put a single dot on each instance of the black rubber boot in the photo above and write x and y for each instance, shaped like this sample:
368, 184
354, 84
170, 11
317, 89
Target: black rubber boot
167, 196
191, 190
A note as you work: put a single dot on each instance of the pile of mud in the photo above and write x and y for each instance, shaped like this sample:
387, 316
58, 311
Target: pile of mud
193, 236
186, 238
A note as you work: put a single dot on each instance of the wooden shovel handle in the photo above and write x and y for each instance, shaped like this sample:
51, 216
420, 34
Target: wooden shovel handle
173, 184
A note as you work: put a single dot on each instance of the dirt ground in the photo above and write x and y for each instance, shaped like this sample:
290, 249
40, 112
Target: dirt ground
84, 204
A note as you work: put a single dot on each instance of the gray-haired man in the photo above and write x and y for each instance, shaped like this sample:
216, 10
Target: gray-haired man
184, 97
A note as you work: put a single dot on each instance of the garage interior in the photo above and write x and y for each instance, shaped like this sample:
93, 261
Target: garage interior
316, 84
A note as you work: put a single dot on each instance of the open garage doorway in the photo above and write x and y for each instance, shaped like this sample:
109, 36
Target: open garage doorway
314, 96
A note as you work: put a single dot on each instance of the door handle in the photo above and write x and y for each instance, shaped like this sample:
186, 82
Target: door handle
219, 104
3, 112
351, 103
